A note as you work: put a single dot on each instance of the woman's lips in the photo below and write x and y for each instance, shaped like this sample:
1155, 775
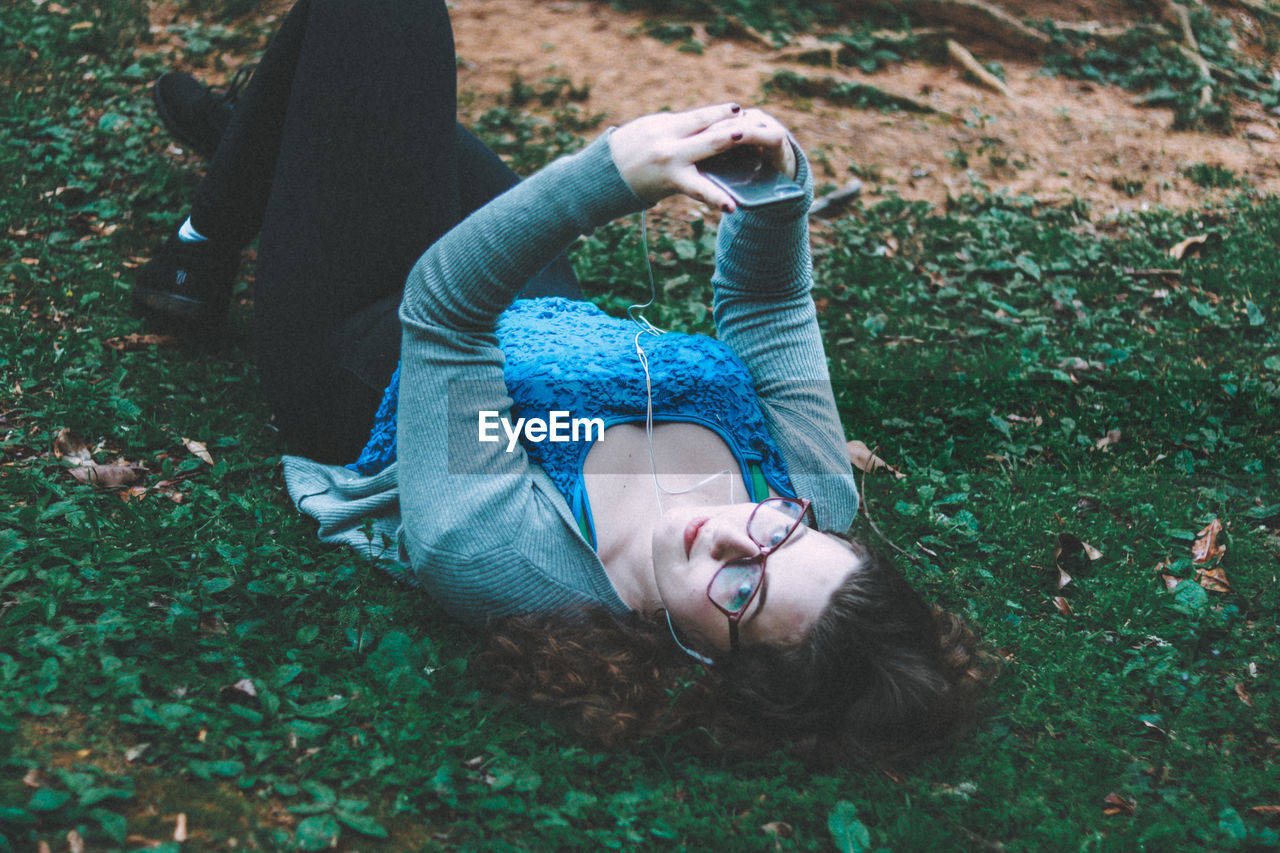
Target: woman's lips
691, 533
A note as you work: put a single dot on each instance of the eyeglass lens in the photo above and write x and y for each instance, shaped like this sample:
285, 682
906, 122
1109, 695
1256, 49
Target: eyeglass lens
773, 521
733, 587
734, 584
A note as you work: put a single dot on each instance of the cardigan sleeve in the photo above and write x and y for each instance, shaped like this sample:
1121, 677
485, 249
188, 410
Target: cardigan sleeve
484, 531
764, 311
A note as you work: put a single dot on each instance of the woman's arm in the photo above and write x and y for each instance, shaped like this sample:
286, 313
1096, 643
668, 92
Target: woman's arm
484, 531
764, 312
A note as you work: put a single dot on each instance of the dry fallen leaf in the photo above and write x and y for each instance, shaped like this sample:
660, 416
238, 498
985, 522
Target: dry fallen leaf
180, 827
129, 343
75, 842
1069, 545
108, 476
864, 460
1213, 580
1206, 548
1117, 804
1243, 695
1112, 437
1072, 551
1077, 364
1153, 729
243, 687
1180, 250
72, 448
197, 448
36, 778
1064, 606
777, 828
133, 493
1265, 809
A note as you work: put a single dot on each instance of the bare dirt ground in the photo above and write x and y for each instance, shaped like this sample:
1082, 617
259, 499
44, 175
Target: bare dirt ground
1054, 138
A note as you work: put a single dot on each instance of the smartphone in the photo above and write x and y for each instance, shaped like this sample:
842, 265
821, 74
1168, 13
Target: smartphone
749, 181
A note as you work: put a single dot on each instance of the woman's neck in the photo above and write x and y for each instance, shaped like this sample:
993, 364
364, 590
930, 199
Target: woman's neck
694, 467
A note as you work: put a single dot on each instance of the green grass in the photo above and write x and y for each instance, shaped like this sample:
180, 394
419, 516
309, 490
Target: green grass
985, 350
1212, 176
1149, 61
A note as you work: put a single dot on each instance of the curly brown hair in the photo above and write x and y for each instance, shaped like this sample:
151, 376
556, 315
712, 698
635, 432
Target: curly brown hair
881, 674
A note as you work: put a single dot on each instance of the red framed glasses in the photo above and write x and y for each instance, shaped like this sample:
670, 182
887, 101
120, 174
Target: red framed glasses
736, 584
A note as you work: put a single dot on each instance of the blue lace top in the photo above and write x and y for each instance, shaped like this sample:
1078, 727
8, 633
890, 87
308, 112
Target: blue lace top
568, 355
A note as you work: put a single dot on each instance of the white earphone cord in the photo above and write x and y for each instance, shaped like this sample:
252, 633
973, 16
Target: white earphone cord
647, 328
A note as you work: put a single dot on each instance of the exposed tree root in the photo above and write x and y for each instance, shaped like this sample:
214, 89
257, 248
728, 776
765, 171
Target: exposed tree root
976, 17
985, 19
1107, 36
736, 28
1176, 13
1259, 8
946, 25
966, 60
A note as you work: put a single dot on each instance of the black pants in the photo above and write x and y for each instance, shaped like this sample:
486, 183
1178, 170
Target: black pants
344, 155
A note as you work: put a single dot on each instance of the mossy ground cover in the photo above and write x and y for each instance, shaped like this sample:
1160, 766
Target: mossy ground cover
187, 656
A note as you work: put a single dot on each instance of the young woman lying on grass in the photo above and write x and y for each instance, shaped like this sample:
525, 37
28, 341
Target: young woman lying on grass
693, 576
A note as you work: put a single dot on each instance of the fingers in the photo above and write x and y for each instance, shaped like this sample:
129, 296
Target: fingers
749, 127
658, 154
695, 185
697, 120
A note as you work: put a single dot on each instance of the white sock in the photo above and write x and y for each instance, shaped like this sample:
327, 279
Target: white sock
188, 233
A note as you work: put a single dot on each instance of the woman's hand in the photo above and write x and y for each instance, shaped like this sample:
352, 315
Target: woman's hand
658, 154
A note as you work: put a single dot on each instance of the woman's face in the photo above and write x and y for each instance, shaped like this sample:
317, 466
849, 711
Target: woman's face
691, 543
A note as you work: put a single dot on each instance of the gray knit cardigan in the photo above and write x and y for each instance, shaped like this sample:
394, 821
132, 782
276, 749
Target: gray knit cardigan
484, 531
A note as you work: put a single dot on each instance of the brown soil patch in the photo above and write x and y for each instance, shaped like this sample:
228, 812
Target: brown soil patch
1055, 139
1058, 137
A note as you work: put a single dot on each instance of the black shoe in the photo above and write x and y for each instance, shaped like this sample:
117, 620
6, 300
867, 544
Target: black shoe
186, 287
197, 115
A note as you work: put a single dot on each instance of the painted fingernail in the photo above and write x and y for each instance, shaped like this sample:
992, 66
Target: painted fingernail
734, 108
726, 208
737, 135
